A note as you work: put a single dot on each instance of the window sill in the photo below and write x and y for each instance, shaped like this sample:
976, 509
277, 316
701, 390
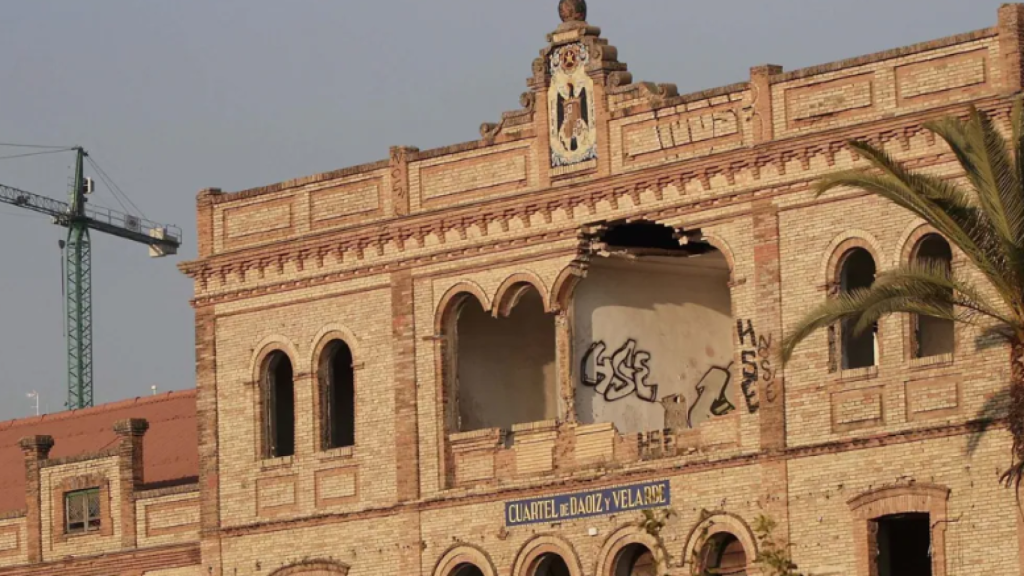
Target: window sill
855, 374
928, 362
83, 535
343, 453
275, 463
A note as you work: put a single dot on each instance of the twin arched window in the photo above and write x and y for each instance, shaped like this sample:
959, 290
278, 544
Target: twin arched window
931, 336
336, 393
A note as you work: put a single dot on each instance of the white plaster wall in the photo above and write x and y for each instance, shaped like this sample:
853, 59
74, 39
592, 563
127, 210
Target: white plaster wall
678, 311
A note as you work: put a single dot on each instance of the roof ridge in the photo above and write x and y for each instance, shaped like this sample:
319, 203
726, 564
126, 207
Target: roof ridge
109, 407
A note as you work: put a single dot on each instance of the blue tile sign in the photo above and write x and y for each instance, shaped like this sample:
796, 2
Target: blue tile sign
586, 504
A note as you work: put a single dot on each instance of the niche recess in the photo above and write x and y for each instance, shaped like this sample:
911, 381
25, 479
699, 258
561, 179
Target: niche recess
653, 330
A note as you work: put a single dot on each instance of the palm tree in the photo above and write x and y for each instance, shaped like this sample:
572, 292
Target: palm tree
984, 218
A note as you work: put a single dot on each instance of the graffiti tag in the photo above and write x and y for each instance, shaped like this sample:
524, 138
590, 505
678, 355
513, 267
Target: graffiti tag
757, 365
713, 392
620, 375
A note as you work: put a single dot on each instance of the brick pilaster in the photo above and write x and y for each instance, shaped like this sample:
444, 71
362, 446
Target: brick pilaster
204, 221
403, 338
1011, 34
36, 449
768, 326
761, 87
206, 417
400, 157
130, 474
410, 552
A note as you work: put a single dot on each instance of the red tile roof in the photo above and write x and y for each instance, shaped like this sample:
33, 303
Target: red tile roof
170, 447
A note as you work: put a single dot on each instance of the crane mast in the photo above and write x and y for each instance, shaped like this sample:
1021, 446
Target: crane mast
78, 284
79, 218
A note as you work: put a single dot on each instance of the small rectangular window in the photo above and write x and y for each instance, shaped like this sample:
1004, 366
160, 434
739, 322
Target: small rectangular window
82, 511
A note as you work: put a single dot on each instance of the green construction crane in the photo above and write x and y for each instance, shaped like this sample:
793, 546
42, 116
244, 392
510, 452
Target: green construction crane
79, 218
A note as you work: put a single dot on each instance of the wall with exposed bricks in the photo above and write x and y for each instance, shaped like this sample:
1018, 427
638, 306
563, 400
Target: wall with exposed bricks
814, 448
381, 256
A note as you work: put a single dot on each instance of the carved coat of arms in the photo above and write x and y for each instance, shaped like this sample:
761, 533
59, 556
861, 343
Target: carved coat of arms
573, 128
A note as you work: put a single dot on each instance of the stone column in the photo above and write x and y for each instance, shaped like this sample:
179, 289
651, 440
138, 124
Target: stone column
36, 449
129, 474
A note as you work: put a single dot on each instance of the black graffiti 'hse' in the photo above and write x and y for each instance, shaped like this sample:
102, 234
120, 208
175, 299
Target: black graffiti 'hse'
622, 375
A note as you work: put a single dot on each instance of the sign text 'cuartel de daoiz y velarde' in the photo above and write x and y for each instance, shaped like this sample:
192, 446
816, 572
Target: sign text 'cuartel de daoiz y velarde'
586, 504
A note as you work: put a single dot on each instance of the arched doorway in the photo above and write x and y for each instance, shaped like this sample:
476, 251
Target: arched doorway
723, 554
467, 570
551, 565
635, 560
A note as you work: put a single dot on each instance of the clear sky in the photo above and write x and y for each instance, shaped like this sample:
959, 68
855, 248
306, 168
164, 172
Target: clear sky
171, 97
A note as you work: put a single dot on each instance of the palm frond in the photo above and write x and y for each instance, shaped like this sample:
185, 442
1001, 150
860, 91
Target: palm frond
941, 204
927, 289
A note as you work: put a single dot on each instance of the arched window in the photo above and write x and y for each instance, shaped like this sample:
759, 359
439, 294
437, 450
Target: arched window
467, 570
337, 396
858, 271
723, 554
635, 560
551, 565
504, 367
278, 406
933, 336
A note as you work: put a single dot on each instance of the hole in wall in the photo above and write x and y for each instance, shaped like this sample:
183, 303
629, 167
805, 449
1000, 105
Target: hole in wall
653, 331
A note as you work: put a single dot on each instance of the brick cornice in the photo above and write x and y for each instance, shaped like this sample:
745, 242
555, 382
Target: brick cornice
401, 233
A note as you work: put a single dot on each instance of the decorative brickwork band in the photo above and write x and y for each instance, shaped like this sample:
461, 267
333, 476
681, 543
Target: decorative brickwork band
36, 449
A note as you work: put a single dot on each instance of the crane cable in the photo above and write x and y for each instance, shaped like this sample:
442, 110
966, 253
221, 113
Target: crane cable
11, 145
114, 188
26, 155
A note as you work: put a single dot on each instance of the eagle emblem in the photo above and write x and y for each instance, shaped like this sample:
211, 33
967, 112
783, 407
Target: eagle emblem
571, 105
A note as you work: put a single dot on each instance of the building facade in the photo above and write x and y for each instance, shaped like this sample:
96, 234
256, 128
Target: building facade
551, 351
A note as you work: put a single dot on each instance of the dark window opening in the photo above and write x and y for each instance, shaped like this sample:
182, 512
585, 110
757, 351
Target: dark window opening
635, 560
82, 511
933, 336
903, 545
279, 406
467, 570
858, 272
723, 554
551, 565
337, 400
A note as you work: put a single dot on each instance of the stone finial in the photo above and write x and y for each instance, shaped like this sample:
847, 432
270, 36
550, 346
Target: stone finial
131, 427
38, 446
573, 10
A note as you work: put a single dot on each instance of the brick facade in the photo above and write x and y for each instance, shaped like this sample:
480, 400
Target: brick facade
390, 257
